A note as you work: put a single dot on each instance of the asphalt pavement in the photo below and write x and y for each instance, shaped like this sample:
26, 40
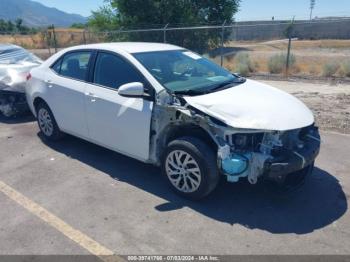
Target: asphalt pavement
73, 197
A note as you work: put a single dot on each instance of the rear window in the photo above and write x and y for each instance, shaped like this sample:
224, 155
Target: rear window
73, 65
17, 55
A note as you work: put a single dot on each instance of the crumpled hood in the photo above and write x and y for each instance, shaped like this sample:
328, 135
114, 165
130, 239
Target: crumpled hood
254, 105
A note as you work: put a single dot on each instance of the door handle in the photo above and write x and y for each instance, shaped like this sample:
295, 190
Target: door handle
92, 95
49, 83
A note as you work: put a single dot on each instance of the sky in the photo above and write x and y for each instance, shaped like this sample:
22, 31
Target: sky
249, 10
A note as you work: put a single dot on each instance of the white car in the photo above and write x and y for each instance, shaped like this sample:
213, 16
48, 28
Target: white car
15, 64
165, 105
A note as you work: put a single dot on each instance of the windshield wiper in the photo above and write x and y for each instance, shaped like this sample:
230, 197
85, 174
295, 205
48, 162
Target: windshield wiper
189, 92
224, 85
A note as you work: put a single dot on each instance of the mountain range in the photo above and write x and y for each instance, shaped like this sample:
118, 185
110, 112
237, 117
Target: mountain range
35, 14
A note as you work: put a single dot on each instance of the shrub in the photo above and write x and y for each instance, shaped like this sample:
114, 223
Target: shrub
329, 69
313, 70
243, 69
277, 63
346, 68
296, 69
244, 64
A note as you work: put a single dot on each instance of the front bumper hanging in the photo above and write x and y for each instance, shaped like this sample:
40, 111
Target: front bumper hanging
294, 159
290, 162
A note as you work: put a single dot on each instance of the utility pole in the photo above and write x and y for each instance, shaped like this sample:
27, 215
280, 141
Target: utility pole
312, 6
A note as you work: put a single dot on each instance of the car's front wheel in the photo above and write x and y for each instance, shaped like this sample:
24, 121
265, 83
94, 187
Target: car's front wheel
47, 122
191, 168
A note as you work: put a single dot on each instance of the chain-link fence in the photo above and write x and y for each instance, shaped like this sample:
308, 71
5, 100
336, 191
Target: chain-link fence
319, 47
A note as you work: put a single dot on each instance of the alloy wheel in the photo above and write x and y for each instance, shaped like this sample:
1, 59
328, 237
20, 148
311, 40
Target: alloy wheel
183, 171
45, 122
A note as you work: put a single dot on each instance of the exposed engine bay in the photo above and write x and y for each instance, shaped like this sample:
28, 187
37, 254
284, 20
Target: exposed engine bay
241, 153
15, 64
272, 154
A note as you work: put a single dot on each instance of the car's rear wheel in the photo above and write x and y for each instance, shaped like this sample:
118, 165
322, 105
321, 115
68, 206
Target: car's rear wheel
191, 168
47, 123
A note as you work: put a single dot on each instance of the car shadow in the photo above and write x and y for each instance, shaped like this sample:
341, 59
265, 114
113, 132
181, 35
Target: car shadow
18, 119
318, 203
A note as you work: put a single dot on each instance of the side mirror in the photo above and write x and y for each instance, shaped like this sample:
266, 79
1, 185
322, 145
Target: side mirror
134, 89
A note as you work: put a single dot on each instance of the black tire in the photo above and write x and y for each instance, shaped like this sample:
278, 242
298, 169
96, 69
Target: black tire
206, 159
56, 133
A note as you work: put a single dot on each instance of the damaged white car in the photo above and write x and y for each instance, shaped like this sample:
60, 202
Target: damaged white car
170, 107
15, 64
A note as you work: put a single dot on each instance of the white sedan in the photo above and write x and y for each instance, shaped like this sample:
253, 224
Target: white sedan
165, 105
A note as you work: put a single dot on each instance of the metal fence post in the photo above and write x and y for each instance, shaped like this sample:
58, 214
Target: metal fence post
84, 37
289, 32
288, 55
222, 42
164, 32
89, 36
54, 38
48, 42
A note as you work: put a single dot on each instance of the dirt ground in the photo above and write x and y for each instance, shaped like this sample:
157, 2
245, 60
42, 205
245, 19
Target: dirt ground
330, 102
311, 56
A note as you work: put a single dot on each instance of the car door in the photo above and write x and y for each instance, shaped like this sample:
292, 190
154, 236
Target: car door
66, 86
119, 123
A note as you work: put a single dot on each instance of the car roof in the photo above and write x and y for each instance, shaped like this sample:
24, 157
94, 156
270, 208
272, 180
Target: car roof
4, 47
130, 47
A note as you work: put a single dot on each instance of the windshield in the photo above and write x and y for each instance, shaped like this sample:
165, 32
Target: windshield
181, 71
14, 55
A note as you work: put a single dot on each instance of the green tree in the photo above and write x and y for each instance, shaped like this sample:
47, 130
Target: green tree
10, 26
20, 28
78, 26
136, 14
3, 26
18, 24
105, 18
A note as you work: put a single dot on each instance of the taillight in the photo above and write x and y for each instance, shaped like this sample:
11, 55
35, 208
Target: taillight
29, 76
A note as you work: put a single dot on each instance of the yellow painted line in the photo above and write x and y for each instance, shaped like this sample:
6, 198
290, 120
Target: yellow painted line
77, 236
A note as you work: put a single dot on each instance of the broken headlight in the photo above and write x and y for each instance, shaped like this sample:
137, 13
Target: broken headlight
240, 141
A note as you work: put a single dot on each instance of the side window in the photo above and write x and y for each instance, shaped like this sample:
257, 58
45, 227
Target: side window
75, 65
112, 71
